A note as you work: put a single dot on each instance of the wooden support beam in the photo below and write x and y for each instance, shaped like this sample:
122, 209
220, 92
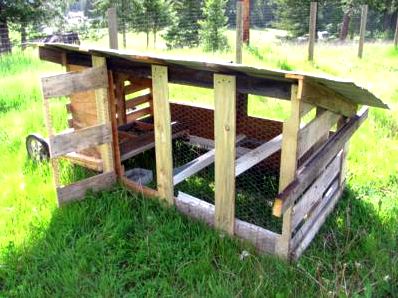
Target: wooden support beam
225, 139
137, 114
288, 168
317, 163
64, 143
257, 155
103, 116
139, 100
162, 121
112, 28
362, 33
239, 31
312, 30
209, 145
73, 82
327, 99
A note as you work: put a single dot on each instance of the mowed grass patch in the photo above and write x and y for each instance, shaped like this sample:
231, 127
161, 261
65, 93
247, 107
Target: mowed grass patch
119, 244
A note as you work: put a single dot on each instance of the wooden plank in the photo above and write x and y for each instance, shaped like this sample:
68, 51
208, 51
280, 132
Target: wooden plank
316, 165
77, 191
225, 151
162, 121
84, 161
120, 98
196, 165
396, 36
343, 166
139, 100
314, 131
209, 145
257, 155
139, 188
64, 143
137, 85
288, 167
325, 98
315, 193
306, 234
137, 114
103, 116
264, 240
239, 31
73, 82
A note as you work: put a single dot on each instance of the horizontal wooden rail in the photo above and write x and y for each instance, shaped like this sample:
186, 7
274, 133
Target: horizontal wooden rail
317, 163
198, 164
263, 239
73, 82
137, 84
209, 145
136, 101
78, 190
137, 114
257, 155
75, 141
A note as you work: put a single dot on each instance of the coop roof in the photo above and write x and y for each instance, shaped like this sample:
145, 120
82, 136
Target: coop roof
347, 89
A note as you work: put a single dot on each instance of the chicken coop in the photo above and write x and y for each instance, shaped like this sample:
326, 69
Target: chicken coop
269, 182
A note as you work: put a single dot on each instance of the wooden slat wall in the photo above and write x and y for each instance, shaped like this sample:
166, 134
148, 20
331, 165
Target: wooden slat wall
162, 121
225, 138
73, 82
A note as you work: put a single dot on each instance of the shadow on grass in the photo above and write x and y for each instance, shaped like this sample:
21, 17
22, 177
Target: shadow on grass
118, 244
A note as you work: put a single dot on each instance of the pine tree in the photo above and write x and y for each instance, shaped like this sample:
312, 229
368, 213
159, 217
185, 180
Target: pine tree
213, 27
184, 29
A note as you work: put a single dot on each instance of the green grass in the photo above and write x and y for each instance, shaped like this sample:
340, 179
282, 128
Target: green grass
120, 244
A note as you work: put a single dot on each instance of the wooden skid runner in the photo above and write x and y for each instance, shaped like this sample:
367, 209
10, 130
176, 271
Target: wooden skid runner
62, 144
78, 190
73, 82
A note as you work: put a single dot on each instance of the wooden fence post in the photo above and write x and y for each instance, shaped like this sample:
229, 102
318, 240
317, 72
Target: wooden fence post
239, 31
162, 121
396, 36
246, 21
312, 30
364, 17
112, 28
225, 147
289, 157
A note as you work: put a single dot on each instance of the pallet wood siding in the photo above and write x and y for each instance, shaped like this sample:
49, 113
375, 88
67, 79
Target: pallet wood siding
317, 163
314, 194
225, 151
65, 143
163, 146
73, 82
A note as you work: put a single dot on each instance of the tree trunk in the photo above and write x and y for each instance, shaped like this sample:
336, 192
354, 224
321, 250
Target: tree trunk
23, 37
154, 37
5, 44
124, 33
345, 26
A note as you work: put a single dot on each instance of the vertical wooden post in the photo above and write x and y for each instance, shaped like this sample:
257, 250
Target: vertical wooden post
239, 31
312, 30
246, 21
396, 36
288, 169
162, 121
103, 116
112, 28
225, 138
364, 17
343, 164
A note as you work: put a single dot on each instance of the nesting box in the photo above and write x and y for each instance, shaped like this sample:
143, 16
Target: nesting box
269, 182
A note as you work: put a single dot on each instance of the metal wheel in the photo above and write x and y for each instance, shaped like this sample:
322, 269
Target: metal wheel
37, 147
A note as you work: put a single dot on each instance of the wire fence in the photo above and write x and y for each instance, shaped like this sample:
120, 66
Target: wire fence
193, 25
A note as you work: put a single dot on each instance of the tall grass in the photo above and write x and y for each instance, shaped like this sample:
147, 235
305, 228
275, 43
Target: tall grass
119, 244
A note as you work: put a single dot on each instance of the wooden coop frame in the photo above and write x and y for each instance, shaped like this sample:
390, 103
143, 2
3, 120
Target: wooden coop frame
309, 157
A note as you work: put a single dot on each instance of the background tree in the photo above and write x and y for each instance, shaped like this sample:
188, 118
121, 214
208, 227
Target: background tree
184, 28
213, 26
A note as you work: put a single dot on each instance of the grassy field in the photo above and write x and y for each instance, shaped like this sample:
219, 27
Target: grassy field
119, 244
